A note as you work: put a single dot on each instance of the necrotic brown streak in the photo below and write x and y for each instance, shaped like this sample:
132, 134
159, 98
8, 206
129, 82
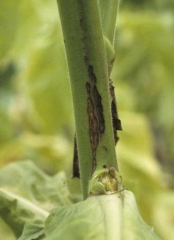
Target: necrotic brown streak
93, 123
96, 119
116, 123
99, 110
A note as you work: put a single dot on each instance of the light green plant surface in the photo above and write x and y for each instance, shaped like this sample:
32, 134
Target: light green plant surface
109, 214
43, 130
27, 195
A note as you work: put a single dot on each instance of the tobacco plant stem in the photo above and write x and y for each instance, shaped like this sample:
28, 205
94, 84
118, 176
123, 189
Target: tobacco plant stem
87, 64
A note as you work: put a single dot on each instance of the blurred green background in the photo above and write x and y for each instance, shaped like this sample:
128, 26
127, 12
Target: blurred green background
36, 116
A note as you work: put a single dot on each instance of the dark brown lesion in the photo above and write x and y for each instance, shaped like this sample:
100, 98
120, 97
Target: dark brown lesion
116, 123
99, 110
96, 125
76, 170
93, 122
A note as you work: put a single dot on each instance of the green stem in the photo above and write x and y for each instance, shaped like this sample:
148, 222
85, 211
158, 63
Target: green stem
89, 79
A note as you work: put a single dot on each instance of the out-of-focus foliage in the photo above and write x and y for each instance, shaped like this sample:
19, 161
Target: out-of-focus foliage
27, 195
35, 94
145, 62
36, 118
148, 4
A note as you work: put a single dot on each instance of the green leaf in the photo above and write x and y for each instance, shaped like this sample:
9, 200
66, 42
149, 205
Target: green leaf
32, 231
27, 195
88, 219
108, 10
104, 217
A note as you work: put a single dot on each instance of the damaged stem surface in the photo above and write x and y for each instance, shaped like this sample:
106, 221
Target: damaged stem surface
89, 77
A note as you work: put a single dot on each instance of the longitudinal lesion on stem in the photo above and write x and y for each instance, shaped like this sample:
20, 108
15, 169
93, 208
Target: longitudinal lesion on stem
96, 120
93, 123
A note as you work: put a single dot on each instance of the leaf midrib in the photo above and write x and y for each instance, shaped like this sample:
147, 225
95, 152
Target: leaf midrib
28, 204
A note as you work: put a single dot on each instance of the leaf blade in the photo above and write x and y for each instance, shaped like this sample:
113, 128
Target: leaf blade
104, 217
27, 195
